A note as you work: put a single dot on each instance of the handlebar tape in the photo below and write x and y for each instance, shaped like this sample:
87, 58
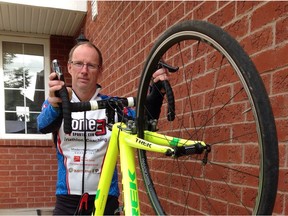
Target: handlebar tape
80, 106
168, 89
102, 104
170, 99
66, 108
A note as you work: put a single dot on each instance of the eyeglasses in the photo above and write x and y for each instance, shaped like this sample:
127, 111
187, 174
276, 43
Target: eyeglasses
80, 65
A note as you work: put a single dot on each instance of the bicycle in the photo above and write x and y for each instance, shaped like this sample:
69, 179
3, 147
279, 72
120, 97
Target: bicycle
216, 152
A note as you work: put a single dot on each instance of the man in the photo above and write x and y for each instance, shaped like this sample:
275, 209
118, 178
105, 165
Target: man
80, 154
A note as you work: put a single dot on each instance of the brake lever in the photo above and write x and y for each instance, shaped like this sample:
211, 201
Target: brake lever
171, 69
56, 68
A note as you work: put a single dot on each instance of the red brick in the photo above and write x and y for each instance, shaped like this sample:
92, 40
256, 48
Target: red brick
271, 59
224, 15
268, 12
258, 41
282, 30
205, 9
244, 7
282, 125
280, 81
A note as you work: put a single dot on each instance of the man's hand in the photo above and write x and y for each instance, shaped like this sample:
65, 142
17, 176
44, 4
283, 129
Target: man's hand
160, 74
54, 86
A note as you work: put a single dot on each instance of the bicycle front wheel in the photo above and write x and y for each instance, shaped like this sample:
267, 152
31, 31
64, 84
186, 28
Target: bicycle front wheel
221, 100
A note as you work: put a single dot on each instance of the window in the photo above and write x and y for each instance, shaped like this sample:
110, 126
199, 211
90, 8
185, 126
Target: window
24, 63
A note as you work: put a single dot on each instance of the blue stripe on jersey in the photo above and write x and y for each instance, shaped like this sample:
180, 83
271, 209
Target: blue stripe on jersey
61, 186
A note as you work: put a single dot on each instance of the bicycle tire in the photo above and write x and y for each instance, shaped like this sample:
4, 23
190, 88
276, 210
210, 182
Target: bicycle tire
239, 135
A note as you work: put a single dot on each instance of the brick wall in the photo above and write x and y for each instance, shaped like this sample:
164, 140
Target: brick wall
125, 32
59, 49
27, 173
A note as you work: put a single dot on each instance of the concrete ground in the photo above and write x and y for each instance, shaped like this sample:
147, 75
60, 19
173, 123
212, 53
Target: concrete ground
26, 211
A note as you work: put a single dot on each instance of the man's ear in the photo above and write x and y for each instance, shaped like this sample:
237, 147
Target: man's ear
69, 65
69, 90
101, 71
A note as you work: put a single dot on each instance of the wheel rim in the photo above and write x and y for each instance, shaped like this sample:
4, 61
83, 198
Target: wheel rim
202, 132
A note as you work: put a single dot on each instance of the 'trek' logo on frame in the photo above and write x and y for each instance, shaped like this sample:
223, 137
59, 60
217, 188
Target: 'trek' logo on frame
90, 125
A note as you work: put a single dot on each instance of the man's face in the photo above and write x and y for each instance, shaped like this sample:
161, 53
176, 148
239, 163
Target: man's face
84, 68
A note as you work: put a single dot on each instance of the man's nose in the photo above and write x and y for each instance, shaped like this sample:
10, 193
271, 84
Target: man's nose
84, 68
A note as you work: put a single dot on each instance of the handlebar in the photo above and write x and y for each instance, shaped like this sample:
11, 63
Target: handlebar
114, 103
66, 109
170, 100
168, 90
103, 104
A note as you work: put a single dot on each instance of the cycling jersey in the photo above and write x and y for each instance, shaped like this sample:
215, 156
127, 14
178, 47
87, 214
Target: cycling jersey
81, 152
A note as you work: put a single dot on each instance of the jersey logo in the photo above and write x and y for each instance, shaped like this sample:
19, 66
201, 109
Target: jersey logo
77, 158
90, 125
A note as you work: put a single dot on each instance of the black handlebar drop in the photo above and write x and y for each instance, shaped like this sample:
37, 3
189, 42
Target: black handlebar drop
63, 94
170, 100
169, 91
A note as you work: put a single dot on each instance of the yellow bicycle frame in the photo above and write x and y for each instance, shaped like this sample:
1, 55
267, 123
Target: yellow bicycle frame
125, 143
